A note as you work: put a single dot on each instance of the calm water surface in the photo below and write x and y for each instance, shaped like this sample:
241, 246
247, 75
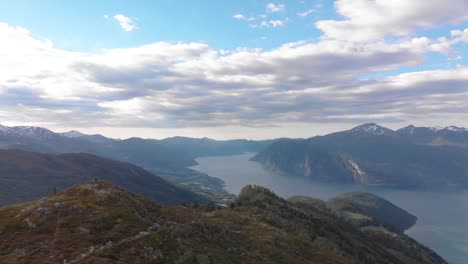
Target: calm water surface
442, 216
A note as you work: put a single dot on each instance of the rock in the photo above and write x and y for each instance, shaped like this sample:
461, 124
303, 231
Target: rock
154, 255
30, 223
84, 230
43, 212
154, 228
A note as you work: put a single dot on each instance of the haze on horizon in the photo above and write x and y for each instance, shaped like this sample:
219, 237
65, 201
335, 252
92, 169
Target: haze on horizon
243, 69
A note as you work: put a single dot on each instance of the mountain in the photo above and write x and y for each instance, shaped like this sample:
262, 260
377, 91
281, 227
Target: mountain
176, 152
147, 153
372, 129
199, 147
97, 222
438, 136
96, 138
142, 152
369, 154
26, 176
169, 158
363, 210
368, 209
39, 139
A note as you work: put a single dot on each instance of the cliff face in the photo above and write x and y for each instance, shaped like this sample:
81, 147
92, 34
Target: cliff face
300, 158
97, 222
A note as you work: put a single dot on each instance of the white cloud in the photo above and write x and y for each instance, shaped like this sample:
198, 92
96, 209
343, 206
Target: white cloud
273, 8
271, 23
126, 23
174, 85
278, 23
367, 20
239, 17
245, 18
306, 13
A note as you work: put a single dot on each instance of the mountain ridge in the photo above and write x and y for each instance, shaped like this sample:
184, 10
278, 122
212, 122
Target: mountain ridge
175, 152
370, 154
96, 222
27, 175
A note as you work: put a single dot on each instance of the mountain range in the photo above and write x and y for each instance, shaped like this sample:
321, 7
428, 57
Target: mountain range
437, 136
173, 152
411, 157
98, 222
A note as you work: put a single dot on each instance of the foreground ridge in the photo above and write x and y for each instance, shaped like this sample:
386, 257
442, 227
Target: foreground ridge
97, 222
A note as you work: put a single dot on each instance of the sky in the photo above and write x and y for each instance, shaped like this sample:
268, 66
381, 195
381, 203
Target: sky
232, 69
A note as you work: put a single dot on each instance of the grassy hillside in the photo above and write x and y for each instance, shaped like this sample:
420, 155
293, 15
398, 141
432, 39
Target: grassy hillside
365, 209
97, 222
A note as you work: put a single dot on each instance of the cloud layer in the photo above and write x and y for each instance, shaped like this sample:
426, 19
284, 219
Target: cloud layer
191, 85
375, 19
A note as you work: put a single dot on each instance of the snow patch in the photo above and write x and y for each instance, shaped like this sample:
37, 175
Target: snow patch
72, 134
34, 132
371, 129
448, 128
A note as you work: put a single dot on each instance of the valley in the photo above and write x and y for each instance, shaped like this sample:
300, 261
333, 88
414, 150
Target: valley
200, 171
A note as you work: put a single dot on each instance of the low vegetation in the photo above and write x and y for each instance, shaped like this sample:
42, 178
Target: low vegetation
97, 222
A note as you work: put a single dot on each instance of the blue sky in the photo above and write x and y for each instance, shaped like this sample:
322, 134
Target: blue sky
231, 69
81, 25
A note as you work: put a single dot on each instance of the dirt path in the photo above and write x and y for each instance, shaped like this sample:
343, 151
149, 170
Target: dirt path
96, 249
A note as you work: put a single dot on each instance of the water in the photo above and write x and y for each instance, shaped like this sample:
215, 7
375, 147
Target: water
442, 216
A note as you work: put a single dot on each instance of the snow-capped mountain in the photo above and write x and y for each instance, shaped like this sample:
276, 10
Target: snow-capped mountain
43, 134
411, 157
371, 129
34, 132
6, 131
450, 135
449, 128
37, 139
437, 129
90, 138
72, 134
410, 130
148, 153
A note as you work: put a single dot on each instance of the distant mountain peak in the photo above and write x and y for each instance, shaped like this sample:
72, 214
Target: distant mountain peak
449, 128
412, 129
96, 138
73, 134
4, 128
407, 130
407, 127
32, 131
371, 129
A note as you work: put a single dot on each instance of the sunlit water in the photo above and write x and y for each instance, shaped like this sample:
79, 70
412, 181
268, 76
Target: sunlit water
442, 216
